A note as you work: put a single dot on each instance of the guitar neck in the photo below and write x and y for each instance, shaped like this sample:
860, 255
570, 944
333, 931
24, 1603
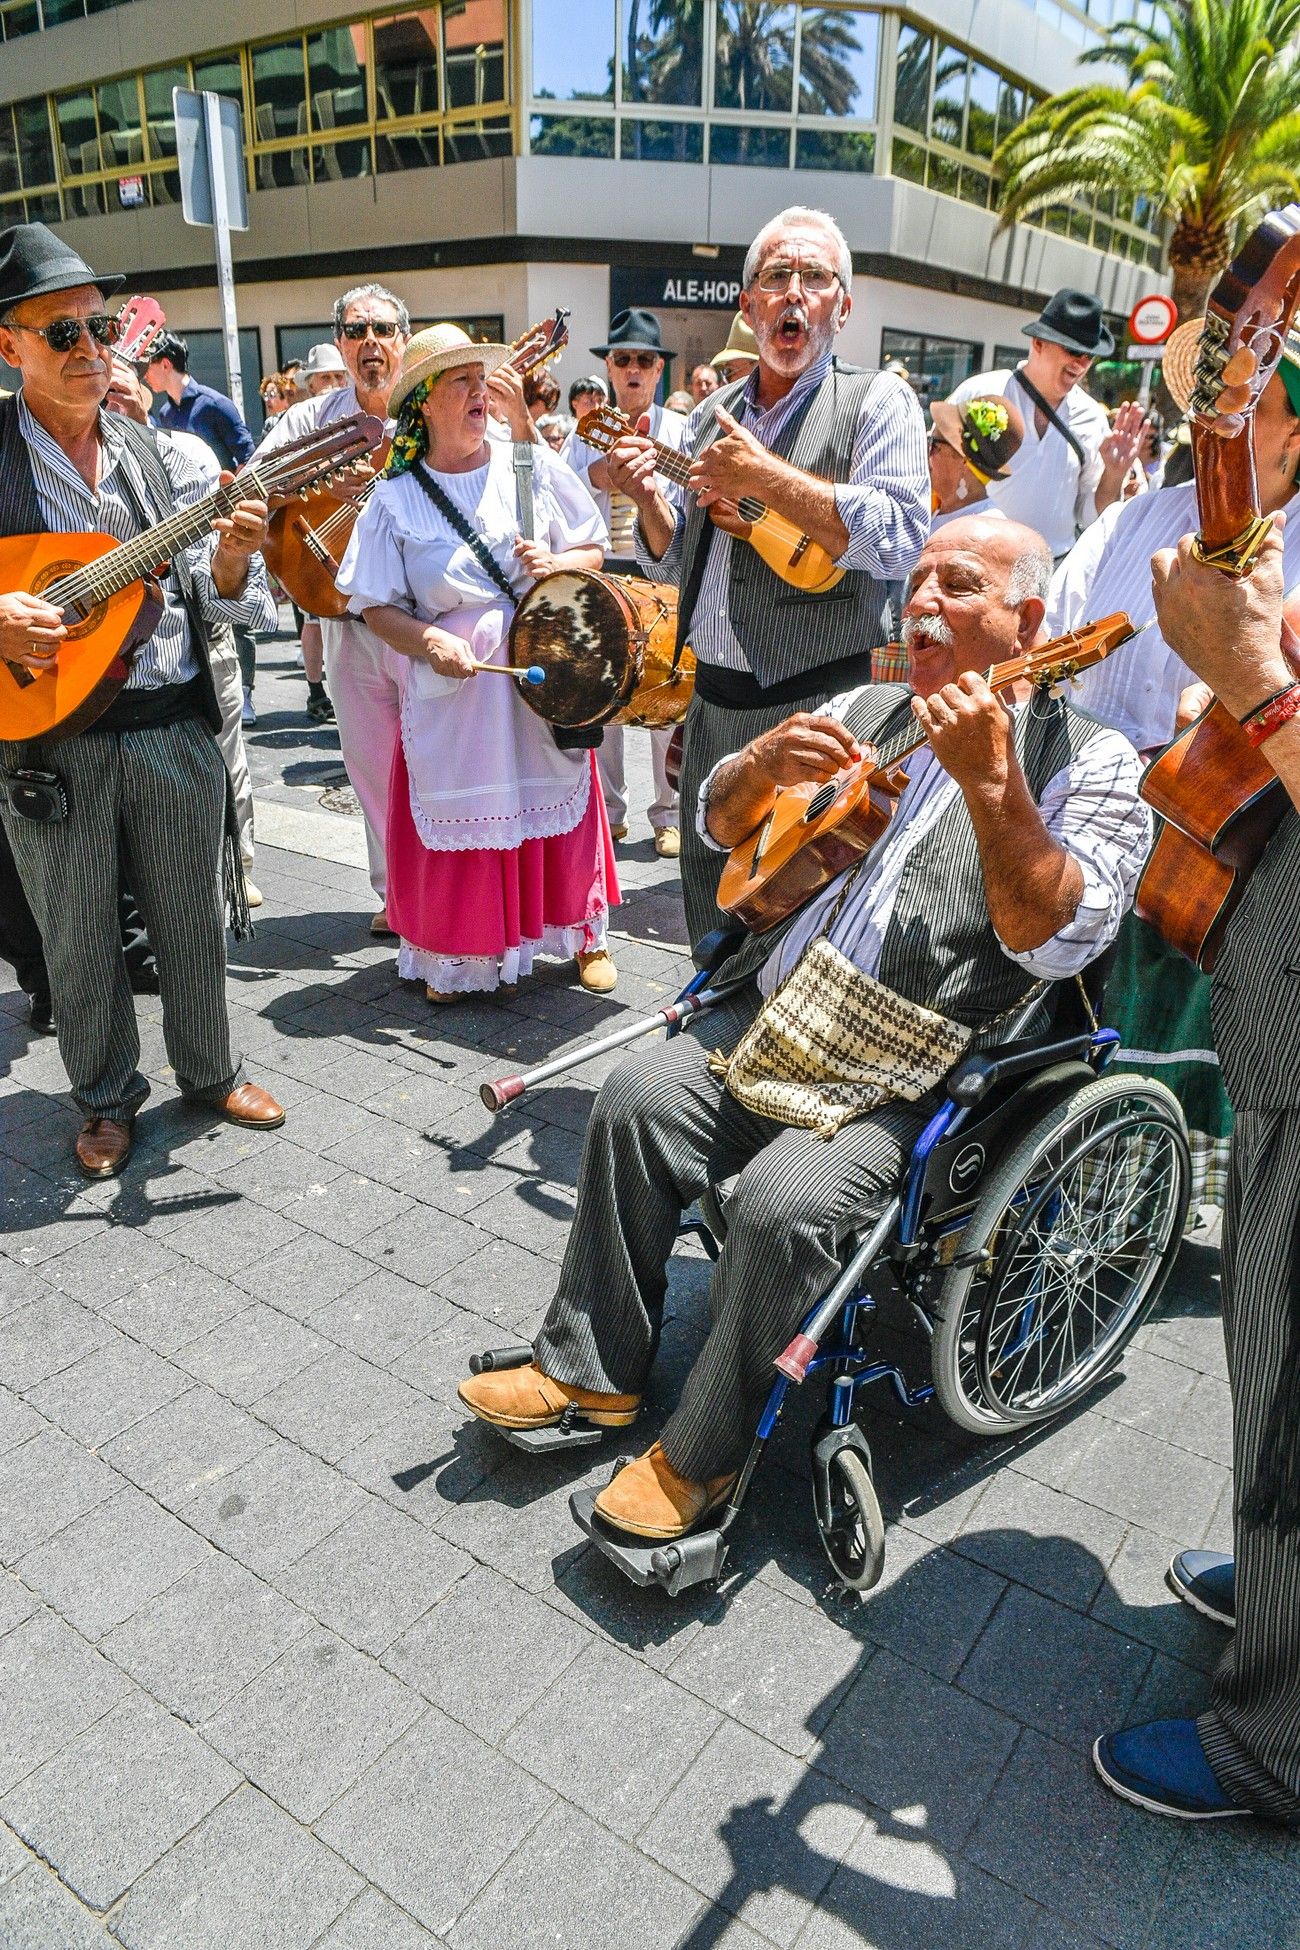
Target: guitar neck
999, 677
130, 561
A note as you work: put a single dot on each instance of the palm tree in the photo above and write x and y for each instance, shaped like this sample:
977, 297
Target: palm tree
1206, 132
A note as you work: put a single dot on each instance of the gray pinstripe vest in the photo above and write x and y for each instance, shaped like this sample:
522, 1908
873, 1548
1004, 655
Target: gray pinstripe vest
940, 948
783, 631
1256, 982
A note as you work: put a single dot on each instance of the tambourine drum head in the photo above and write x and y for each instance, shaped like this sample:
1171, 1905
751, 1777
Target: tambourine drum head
577, 627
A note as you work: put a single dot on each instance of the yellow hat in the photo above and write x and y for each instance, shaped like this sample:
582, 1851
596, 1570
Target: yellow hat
437, 349
741, 344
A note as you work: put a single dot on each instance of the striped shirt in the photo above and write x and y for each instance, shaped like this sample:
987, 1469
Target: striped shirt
884, 504
70, 507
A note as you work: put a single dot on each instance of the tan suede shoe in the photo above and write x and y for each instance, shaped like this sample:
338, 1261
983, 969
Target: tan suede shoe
103, 1146
596, 971
525, 1398
650, 1499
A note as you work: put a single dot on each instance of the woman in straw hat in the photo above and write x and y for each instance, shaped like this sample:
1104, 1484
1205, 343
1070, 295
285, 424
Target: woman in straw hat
1158, 1001
498, 848
972, 442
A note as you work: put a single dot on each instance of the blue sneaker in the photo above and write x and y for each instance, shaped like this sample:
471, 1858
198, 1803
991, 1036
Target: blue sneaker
1163, 1767
1207, 1581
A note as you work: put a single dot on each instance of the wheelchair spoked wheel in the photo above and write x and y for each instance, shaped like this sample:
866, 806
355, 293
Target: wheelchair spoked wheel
1073, 1236
849, 1520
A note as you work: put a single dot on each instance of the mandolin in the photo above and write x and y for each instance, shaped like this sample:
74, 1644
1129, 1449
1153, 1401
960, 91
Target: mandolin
788, 552
108, 590
307, 539
1219, 797
813, 832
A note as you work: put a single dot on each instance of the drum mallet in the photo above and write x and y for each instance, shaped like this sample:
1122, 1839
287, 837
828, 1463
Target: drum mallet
532, 674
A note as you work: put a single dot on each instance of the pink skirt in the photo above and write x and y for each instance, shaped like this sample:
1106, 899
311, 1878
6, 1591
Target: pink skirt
473, 920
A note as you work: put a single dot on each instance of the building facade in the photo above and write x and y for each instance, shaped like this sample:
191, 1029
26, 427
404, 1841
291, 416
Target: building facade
492, 159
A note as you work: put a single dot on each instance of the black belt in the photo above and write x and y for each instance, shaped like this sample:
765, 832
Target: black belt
146, 710
739, 690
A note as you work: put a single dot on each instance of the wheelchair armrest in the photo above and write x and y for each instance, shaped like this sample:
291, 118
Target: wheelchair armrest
975, 1076
714, 948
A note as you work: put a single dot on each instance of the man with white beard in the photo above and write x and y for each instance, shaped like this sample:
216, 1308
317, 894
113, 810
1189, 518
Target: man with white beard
838, 451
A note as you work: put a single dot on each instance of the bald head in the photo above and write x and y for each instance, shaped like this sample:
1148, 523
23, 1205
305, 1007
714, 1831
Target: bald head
977, 596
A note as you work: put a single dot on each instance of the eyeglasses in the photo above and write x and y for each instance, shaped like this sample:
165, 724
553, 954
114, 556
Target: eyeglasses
383, 328
643, 359
813, 277
62, 334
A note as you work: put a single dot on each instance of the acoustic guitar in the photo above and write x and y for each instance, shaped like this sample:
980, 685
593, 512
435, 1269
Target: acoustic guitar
139, 320
308, 538
1219, 797
108, 592
813, 832
788, 552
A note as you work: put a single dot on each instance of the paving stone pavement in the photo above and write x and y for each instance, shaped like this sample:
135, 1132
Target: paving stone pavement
292, 1657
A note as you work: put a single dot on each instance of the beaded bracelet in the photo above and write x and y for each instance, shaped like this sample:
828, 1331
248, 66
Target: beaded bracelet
1272, 714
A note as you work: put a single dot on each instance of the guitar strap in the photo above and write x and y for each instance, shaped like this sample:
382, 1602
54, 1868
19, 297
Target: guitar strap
1053, 416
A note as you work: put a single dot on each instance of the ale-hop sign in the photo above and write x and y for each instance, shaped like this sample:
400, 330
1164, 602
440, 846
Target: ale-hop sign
673, 290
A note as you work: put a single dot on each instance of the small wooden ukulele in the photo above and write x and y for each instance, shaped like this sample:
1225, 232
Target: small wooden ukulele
108, 592
307, 539
788, 552
813, 832
1221, 799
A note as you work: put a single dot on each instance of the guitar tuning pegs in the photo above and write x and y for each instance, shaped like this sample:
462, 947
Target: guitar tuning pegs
302, 494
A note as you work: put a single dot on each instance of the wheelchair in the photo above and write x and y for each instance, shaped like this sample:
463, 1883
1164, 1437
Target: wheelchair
1034, 1226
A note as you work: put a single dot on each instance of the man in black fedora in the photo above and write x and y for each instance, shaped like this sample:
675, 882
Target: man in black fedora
634, 359
1072, 463
145, 781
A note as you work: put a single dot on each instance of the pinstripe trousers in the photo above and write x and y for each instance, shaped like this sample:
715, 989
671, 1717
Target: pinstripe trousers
1251, 1733
661, 1129
160, 794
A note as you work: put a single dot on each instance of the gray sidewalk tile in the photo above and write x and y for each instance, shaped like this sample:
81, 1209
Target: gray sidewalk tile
1222, 1894
20, 1285
1066, 1675
279, 1175
537, 1217
18, 1421
1195, 1340
1136, 1599
112, 1262
486, 1652
16, 1602
44, 1484
504, 1282
1052, 1830
41, 1339
572, 1883
247, 1876
37, 1913
434, 1820
203, 1640
271, 1510
518, 1518
14, 1858
1203, 1422
934, 1606
1146, 1482
224, 1243
901, 1739
1040, 1537
1170, 1691
1153, 1394
586, 1736
644, 1621
249, 1354
107, 1563
771, 1663
440, 1360
108, 1391
305, 1277
187, 1444
754, 1830
373, 1923
374, 1577
424, 1461
307, 1727
421, 1243
900, 1891
336, 1403
114, 1801
55, 1685
382, 1315
176, 1304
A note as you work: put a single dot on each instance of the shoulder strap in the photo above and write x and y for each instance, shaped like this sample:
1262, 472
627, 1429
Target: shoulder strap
524, 487
452, 515
1071, 439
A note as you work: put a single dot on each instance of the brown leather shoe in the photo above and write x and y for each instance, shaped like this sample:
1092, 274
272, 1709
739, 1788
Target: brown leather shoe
103, 1146
650, 1499
525, 1398
249, 1104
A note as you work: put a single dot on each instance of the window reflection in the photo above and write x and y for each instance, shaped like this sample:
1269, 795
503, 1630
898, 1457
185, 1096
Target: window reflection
573, 51
982, 111
336, 78
663, 55
120, 140
835, 149
473, 141
912, 80
947, 114
406, 65
754, 57
161, 123
662, 142
838, 57
474, 44
571, 135
756, 148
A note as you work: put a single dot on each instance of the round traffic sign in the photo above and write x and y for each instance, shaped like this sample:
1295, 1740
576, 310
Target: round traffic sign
1152, 319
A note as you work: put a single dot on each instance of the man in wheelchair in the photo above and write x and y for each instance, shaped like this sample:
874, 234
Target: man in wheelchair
1011, 857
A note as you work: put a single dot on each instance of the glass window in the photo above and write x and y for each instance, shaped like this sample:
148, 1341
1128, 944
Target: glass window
18, 20
663, 56
1011, 109
944, 174
912, 80
661, 141
947, 113
974, 186
474, 53
471, 141
982, 110
336, 78
57, 11
838, 57
406, 64
10, 179
755, 148
279, 92
908, 162
571, 135
754, 57
78, 136
35, 150
223, 75
573, 50
120, 140
407, 151
835, 149
158, 85
935, 366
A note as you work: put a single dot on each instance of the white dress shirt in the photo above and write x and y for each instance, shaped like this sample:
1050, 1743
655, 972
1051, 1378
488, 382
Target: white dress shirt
1048, 489
665, 427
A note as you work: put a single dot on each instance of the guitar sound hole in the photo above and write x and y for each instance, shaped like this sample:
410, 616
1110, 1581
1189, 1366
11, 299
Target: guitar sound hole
822, 800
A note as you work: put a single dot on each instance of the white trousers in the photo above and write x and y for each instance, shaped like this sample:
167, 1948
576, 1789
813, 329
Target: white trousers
229, 685
365, 687
662, 810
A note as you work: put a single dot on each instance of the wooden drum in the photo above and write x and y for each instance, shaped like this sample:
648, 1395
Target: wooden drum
606, 645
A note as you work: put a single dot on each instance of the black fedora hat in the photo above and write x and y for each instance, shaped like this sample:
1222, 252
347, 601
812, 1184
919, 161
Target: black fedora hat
633, 328
33, 262
1073, 319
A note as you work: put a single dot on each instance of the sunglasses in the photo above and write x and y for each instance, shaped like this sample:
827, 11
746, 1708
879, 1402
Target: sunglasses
64, 333
643, 359
383, 328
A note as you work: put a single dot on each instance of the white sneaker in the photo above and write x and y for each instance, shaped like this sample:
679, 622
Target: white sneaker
249, 713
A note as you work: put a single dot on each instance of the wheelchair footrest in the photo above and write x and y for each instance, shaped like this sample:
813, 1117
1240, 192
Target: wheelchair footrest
564, 1435
695, 1559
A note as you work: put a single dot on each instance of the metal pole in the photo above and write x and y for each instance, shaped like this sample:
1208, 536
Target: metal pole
221, 237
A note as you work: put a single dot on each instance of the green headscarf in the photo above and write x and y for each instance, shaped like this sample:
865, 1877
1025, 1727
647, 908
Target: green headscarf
410, 435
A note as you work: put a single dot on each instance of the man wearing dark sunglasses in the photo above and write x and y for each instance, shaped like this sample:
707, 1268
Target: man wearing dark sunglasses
145, 779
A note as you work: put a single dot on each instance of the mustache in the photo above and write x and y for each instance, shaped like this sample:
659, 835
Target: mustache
926, 629
793, 313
